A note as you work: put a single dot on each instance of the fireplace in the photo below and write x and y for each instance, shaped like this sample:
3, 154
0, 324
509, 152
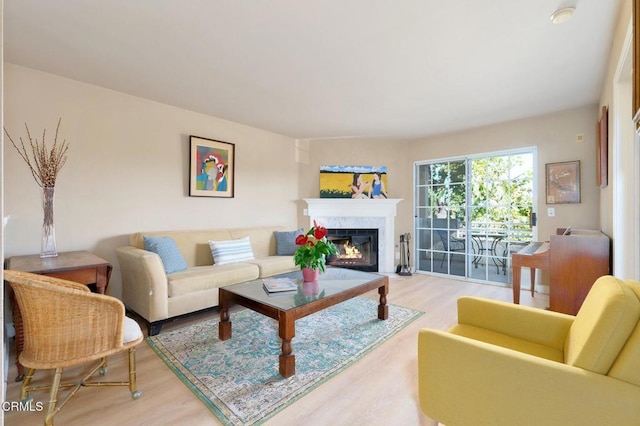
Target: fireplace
347, 213
357, 249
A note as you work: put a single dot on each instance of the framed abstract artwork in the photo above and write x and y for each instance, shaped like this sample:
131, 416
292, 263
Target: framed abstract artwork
211, 168
563, 182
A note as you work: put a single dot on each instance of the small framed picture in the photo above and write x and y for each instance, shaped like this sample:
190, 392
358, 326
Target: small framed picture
563, 182
211, 168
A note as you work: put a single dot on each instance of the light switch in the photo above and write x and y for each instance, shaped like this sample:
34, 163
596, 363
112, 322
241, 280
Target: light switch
551, 211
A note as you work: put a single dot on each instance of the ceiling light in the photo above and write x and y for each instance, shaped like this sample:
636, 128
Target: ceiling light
562, 15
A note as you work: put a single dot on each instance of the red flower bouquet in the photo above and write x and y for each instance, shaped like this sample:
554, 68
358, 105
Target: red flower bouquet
314, 248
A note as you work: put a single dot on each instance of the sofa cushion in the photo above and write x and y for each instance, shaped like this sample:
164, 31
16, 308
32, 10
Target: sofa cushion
274, 265
499, 339
263, 241
193, 244
206, 277
286, 242
131, 330
606, 319
166, 248
231, 251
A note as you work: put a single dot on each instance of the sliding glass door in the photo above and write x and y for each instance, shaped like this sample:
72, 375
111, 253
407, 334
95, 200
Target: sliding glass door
441, 190
472, 213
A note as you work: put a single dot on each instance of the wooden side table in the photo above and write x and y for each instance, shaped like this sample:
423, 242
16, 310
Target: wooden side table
78, 266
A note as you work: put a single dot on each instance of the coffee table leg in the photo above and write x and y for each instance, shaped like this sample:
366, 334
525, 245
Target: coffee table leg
286, 331
383, 309
224, 327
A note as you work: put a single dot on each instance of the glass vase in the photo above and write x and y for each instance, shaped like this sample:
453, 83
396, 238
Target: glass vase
48, 244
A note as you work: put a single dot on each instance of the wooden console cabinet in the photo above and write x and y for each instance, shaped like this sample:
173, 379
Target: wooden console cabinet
576, 262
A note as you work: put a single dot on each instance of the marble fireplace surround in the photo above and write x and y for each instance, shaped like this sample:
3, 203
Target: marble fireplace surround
342, 213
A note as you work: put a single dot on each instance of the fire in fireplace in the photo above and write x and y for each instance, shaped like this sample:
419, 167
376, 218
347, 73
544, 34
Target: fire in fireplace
357, 249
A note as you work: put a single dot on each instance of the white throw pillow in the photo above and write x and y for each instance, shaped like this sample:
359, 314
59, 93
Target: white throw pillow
231, 251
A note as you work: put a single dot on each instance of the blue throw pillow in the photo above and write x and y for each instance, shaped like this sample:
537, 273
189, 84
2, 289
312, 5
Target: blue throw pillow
166, 248
231, 251
286, 242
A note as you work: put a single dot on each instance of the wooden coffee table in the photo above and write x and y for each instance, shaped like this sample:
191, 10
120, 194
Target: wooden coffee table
334, 286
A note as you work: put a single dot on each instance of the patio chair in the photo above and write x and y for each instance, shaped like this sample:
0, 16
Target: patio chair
450, 243
65, 324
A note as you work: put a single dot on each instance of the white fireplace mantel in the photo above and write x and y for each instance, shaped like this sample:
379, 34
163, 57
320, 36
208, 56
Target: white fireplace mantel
359, 213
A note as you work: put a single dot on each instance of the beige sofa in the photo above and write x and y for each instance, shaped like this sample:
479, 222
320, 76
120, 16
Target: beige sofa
157, 296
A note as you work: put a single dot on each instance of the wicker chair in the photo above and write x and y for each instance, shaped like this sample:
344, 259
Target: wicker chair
65, 324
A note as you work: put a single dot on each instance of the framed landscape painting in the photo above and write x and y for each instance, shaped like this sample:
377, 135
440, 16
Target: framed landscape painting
353, 182
211, 168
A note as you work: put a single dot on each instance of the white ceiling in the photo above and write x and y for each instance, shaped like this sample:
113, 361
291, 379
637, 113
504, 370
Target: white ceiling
327, 68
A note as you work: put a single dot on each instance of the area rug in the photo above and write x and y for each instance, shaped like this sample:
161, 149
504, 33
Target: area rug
238, 379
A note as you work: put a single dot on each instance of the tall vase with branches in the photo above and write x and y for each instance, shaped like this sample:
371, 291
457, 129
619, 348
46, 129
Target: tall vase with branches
44, 164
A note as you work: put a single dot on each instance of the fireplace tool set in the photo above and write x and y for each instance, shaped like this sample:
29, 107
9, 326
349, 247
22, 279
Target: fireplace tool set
405, 256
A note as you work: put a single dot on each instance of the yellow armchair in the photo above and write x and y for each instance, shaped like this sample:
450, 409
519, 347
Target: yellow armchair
506, 364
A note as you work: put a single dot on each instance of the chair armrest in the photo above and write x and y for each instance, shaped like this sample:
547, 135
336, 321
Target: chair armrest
463, 381
144, 283
523, 322
103, 329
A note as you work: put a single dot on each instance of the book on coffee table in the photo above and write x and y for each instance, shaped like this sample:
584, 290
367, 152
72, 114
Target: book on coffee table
277, 285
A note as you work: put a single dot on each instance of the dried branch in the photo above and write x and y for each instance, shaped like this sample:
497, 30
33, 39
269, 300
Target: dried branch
43, 163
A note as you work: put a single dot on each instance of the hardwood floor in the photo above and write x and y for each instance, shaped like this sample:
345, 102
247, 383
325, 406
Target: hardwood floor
380, 389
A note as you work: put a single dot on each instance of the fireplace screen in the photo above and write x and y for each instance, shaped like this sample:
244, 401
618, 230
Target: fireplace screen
357, 249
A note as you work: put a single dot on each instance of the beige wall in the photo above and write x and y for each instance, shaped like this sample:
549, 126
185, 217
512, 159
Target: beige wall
554, 136
364, 152
127, 168
606, 206
622, 222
